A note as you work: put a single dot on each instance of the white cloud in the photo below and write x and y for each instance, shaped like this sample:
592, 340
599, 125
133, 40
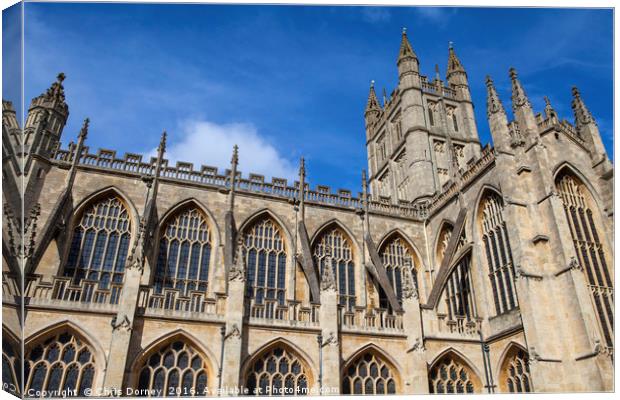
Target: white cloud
376, 14
207, 143
436, 15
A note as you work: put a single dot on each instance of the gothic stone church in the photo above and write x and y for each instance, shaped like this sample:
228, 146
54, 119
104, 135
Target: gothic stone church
457, 269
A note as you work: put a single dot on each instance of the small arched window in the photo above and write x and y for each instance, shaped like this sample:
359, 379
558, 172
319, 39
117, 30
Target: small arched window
339, 243
11, 366
100, 243
368, 373
589, 249
278, 372
60, 362
176, 369
184, 253
498, 253
515, 373
265, 257
397, 255
450, 375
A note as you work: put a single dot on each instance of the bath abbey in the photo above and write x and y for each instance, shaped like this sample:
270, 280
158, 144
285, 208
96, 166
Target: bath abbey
455, 267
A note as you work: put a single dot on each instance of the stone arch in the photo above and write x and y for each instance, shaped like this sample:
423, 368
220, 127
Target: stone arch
213, 240
513, 372
83, 206
266, 212
346, 256
448, 367
62, 336
565, 167
11, 362
485, 191
358, 367
445, 226
177, 346
406, 238
278, 349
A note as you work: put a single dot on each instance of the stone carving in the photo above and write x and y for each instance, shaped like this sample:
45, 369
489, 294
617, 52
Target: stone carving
418, 346
534, 357
121, 323
331, 340
328, 280
409, 289
30, 230
234, 332
237, 269
136, 260
574, 264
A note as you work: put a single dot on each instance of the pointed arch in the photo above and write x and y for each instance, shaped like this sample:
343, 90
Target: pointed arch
11, 362
397, 253
589, 236
451, 372
188, 240
334, 240
278, 367
331, 223
63, 356
493, 233
267, 213
565, 167
266, 250
371, 370
441, 240
176, 362
103, 229
514, 370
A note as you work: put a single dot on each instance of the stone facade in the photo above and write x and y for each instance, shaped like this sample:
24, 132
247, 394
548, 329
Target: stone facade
458, 268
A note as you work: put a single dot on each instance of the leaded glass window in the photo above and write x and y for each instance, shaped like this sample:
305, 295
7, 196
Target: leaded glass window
278, 372
397, 255
458, 292
589, 249
516, 372
100, 243
344, 268
369, 374
498, 254
175, 369
265, 258
60, 362
11, 366
449, 375
184, 253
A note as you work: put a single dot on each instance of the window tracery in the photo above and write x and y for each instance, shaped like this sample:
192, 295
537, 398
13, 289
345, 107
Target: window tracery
344, 268
265, 258
498, 254
176, 369
516, 372
589, 249
369, 374
100, 242
397, 255
60, 362
184, 253
449, 375
278, 372
11, 367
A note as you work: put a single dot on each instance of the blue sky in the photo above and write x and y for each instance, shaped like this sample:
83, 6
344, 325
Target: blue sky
287, 81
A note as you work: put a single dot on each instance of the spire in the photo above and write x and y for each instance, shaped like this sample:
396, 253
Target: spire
406, 51
84, 131
582, 114
519, 98
454, 64
302, 187
494, 104
373, 103
56, 92
549, 111
384, 97
234, 163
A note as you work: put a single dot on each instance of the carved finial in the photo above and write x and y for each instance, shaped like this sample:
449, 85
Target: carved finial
519, 98
84, 130
162, 142
582, 114
372, 84
454, 64
549, 111
404, 30
450, 43
235, 156
61, 77
373, 103
406, 51
302, 167
494, 104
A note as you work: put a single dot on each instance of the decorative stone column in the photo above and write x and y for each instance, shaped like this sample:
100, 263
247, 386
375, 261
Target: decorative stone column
231, 359
330, 344
416, 380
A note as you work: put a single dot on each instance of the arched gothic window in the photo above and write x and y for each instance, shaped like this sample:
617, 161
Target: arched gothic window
589, 249
100, 243
278, 372
369, 374
176, 369
515, 372
184, 253
397, 255
60, 362
342, 255
498, 254
444, 238
265, 257
11, 366
449, 375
